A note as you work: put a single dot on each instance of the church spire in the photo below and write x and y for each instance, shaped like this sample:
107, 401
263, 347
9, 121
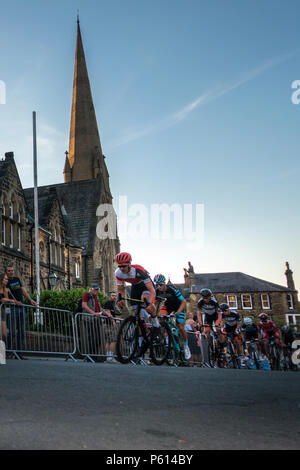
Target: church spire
85, 158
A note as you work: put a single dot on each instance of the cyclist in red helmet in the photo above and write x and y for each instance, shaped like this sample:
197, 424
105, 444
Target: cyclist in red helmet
140, 281
268, 330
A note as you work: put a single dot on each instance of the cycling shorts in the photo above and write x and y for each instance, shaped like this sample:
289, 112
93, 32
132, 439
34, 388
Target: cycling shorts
267, 335
180, 317
250, 336
210, 319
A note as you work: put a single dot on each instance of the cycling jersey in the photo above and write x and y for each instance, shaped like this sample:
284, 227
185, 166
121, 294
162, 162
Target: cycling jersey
268, 329
288, 338
138, 277
174, 298
251, 331
210, 310
231, 321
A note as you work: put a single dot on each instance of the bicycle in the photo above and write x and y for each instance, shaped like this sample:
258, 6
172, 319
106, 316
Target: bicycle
231, 351
175, 355
215, 350
158, 340
253, 352
287, 363
274, 354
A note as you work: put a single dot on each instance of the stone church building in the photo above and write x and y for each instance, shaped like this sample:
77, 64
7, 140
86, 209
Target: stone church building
68, 244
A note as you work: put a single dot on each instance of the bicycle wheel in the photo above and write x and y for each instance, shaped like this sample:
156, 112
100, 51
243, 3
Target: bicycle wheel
127, 340
171, 359
212, 356
234, 358
160, 344
274, 359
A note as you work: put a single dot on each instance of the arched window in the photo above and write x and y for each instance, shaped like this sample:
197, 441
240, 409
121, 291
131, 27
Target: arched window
11, 210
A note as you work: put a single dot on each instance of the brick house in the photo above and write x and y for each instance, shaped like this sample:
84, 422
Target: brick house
249, 295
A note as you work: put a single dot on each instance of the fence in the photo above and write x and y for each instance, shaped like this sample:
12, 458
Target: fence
38, 330
48, 331
95, 335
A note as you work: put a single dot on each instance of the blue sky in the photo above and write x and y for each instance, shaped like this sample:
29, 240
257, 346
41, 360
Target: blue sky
193, 101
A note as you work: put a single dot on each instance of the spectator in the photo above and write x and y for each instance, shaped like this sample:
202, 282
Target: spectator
90, 301
4, 299
110, 326
112, 304
91, 305
18, 314
193, 340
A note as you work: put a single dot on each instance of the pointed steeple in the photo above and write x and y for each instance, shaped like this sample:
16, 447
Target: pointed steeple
85, 159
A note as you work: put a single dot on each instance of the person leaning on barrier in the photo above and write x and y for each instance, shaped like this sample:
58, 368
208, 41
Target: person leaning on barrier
17, 316
4, 299
112, 305
111, 325
92, 306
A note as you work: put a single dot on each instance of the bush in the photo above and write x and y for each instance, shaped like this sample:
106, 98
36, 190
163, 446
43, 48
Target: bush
64, 299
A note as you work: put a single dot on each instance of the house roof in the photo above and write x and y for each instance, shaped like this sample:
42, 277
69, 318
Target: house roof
78, 201
233, 282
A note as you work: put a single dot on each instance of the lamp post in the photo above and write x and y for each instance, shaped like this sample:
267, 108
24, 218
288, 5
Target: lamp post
53, 278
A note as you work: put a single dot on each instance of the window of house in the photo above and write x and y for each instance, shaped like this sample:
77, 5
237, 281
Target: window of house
265, 301
246, 301
232, 301
290, 302
294, 321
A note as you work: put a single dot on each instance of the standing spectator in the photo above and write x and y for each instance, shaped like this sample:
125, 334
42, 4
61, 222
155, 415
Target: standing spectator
110, 326
4, 299
91, 305
112, 305
18, 314
91, 338
193, 339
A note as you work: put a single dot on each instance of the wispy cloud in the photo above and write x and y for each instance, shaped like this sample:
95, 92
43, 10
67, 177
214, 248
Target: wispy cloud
208, 96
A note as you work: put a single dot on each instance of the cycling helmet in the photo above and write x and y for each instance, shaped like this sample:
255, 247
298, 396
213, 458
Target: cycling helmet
123, 258
159, 279
285, 328
206, 293
224, 307
263, 317
248, 321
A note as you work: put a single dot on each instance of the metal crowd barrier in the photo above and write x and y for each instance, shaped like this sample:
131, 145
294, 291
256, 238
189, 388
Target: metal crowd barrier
49, 331
95, 336
198, 345
39, 330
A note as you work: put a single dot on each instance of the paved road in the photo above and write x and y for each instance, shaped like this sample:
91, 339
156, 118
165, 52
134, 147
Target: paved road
53, 404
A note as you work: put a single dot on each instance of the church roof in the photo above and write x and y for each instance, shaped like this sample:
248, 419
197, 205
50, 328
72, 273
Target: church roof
85, 156
233, 282
78, 201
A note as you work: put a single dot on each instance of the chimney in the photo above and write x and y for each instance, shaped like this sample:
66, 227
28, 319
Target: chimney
289, 277
9, 156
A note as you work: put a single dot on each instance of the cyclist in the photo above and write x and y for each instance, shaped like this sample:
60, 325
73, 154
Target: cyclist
250, 331
208, 308
175, 302
268, 330
232, 323
288, 337
140, 282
